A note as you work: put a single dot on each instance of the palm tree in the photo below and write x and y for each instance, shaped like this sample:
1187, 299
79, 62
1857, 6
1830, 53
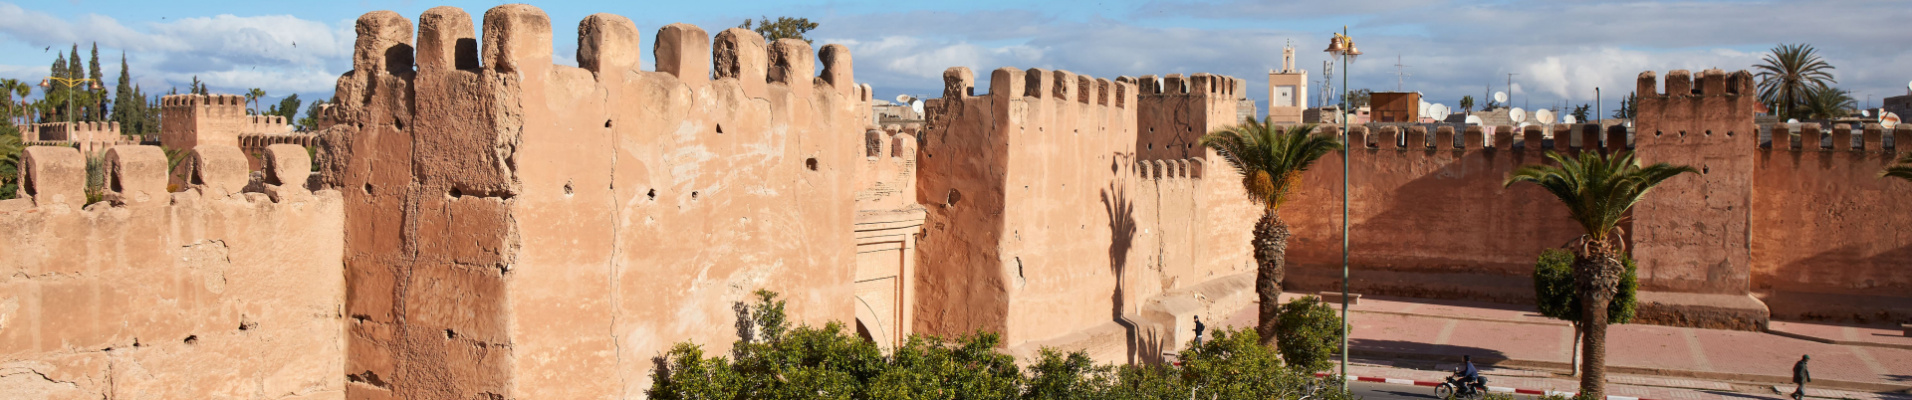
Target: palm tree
1788, 73
1901, 170
1467, 103
1827, 103
12, 91
252, 96
1271, 161
1597, 190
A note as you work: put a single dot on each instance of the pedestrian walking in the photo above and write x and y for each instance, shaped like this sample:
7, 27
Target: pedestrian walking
1800, 377
1198, 330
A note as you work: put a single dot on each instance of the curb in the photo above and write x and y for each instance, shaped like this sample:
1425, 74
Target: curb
1497, 389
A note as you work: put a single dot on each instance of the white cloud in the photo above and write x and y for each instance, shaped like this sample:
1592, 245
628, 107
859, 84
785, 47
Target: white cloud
279, 53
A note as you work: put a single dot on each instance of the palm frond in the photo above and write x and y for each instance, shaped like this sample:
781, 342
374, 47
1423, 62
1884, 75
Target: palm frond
1901, 169
1597, 189
1270, 159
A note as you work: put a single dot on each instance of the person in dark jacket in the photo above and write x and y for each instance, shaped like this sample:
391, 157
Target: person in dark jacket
1198, 330
1800, 377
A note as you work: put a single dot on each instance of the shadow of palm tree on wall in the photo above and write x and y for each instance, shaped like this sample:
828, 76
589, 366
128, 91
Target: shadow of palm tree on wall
1122, 229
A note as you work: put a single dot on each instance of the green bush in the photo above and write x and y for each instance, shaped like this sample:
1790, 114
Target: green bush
773, 361
1556, 297
1309, 334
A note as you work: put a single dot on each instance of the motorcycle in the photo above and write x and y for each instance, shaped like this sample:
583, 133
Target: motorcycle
1452, 388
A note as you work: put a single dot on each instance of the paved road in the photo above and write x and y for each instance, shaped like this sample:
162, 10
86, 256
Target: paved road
1389, 391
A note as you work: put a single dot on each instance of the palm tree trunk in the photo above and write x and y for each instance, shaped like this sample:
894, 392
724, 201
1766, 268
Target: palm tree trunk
1271, 247
1598, 278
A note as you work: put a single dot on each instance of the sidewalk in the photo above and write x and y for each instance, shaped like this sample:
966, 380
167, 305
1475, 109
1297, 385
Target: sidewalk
1438, 332
1619, 386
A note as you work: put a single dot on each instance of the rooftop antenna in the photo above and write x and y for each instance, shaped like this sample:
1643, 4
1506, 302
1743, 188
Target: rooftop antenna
1327, 82
1400, 69
1510, 85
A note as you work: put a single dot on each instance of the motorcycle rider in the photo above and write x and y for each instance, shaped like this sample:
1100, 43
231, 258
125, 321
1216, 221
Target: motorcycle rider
1470, 376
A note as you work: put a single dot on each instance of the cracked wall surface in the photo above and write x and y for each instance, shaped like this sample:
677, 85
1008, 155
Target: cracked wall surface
523, 229
206, 293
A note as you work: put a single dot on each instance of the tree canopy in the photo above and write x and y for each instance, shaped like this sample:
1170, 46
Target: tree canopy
781, 28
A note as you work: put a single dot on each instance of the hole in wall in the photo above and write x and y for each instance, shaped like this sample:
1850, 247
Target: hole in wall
247, 325
607, 123
1705, 170
1709, 132
1682, 133
720, 129
950, 200
451, 334
1658, 133
455, 193
567, 188
368, 189
810, 163
399, 124
192, 339
1729, 133
1151, 146
693, 195
651, 194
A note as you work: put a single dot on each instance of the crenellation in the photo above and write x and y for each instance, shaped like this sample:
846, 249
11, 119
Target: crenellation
1712, 81
136, 176
1475, 139
1617, 138
1900, 135
1589, 137
1150, 85
959, 82
1005, 84
793, 63
838, 71
1874, 137
1064, 85
1174, 84
607, 43
1444, 137
742, 54
1416, 138
447, 41
1562, 138
1811, 137
1841, 137
217, 170
680, 50
1679, 82
1037, 83
1359, 134
1532, 139
53, 175
1085, 89
287, 165
1390, 137
1504, 137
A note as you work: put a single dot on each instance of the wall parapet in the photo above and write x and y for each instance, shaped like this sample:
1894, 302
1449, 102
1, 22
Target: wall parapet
147, 290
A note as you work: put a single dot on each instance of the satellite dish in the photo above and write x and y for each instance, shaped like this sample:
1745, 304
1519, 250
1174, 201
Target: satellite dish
1908, 86
1888, 120
1517, 115
1543, 116
1440, 111
904, 99
1569, 119
1865, 113
1473, 120
1501, 97
917, 105
1794, 121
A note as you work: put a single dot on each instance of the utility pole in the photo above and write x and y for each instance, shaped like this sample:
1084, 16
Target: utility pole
1510, 89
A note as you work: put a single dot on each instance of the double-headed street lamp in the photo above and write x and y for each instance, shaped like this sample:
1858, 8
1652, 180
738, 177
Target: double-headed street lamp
47, 83
1342, 47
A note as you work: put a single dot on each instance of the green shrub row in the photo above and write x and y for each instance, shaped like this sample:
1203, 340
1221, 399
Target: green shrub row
770, 361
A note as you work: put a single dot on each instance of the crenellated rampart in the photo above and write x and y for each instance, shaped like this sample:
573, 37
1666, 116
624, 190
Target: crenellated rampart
1045, 201
189, 120
1828, 236
92, 138
518, 228
170, 295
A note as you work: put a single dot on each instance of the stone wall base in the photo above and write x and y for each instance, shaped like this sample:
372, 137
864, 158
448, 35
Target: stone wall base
1711, 311
1164, 324
1838, 308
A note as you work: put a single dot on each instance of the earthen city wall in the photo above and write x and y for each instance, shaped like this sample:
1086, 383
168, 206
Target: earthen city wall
205, 293
521, 229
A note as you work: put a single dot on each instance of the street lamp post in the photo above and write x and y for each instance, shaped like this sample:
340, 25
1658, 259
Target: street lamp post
1342, 47
47, 83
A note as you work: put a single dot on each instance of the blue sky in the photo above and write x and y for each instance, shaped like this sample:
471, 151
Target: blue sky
1559, 50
